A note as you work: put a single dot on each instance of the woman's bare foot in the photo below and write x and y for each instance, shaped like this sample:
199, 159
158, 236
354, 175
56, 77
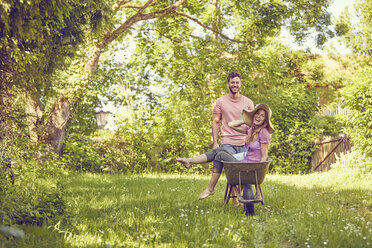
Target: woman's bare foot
206, 193
184, 162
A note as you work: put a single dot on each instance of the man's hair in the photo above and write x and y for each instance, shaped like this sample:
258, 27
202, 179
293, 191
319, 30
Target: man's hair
232, 75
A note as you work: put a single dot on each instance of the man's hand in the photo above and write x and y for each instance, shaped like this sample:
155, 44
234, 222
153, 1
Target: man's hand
215, 145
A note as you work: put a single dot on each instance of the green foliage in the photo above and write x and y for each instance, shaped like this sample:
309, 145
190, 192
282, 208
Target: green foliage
326, 126
34, 198
293, 109
281, 84
179, 122
357, 96
82, 154
353, 166
357, 36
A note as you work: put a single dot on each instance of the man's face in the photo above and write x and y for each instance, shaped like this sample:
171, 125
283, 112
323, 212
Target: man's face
234, 85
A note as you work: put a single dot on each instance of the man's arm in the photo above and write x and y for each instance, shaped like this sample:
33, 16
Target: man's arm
237, 126
215, 129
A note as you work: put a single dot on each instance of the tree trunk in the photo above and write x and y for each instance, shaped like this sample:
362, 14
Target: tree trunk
55, 128
6, 81
5, 111
35, 117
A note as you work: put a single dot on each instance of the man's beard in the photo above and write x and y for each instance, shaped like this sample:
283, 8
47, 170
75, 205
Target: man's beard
234, 93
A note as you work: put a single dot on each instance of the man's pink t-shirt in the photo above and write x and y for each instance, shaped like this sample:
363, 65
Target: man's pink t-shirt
230, 110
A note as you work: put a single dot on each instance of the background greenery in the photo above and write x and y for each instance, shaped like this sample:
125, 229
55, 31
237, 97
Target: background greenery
164, 65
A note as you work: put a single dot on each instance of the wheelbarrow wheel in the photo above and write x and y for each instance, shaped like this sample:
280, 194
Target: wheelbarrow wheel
248, 195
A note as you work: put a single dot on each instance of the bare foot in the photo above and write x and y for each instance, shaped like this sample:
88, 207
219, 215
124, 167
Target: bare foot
237, 203
205, 194
184, 162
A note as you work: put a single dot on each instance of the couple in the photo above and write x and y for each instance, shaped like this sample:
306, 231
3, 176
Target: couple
253, 140
257, 126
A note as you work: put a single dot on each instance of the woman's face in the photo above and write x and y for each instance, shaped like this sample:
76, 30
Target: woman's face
259, 117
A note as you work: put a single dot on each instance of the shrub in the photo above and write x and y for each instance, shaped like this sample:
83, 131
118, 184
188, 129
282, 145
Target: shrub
80, 153
358, 99
353, 165
291, 147
34, 198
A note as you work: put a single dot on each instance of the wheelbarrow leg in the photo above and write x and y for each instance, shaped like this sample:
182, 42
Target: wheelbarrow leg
260, 193
228, 193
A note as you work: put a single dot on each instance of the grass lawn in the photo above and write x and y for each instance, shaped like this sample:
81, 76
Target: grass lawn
314, 210
163, 211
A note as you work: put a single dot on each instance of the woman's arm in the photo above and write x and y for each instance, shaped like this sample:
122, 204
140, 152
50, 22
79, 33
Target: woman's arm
264, 151
237, 126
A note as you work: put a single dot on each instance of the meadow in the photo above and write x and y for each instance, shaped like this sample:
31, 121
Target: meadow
315, 210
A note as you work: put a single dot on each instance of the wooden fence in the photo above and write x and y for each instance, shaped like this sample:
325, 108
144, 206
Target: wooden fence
325, 155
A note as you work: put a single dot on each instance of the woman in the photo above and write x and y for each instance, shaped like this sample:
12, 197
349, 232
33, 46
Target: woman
258, 128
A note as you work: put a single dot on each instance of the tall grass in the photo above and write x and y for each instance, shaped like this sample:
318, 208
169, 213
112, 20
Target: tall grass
163, 211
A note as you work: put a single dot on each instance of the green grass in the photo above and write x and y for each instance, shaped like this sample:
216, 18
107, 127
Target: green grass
163, 211
314, 210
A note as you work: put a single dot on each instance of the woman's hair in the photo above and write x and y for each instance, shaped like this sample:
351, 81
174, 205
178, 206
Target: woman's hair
254, 130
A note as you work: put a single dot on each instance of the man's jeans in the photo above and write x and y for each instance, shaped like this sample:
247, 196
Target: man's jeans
233, 149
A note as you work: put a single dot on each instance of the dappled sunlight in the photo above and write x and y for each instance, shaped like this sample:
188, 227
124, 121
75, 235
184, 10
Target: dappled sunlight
330, 180
161, 210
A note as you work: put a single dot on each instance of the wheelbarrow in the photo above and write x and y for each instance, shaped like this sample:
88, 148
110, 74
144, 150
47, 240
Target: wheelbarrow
247, 174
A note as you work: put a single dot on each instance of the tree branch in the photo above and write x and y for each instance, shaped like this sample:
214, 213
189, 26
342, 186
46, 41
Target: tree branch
121, 3
109, 37
209, 28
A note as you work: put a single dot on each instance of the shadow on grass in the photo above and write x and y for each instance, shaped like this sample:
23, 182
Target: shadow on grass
146, 210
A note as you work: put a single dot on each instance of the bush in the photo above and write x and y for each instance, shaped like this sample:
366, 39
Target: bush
353, 165
325, 126
291, 147
358, 99
34, 198
80, 153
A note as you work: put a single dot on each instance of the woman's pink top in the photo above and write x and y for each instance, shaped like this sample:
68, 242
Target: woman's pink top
253, 153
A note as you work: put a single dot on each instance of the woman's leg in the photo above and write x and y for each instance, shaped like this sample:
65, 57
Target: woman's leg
203, 158
187, 162
216, 172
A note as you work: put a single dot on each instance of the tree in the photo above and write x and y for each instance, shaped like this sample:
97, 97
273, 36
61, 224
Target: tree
357, 36
36, 39
357, 96
251, 23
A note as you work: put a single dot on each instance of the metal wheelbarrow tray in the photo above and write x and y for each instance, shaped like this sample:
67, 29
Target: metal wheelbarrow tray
246, 173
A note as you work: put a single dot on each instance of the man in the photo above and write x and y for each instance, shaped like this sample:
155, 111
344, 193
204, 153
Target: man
228, 108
